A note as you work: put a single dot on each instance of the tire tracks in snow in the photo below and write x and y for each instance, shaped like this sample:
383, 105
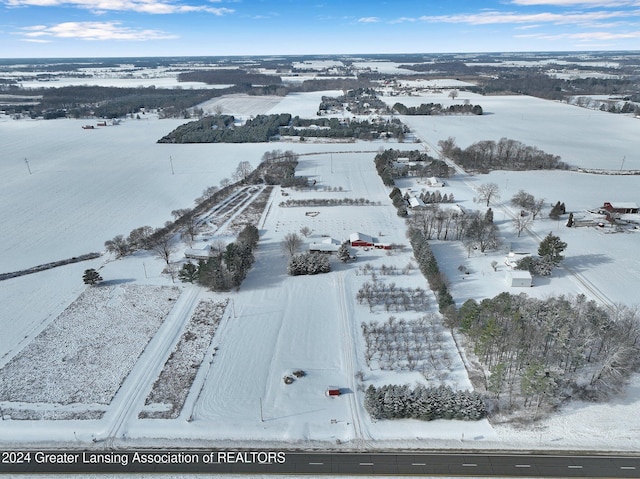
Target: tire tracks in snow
130, 398
362, 436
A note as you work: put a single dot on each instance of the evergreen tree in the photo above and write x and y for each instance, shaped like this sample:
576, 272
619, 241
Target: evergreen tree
551, 247
91, 277
188, 273
488, 217
570, 220
343, 253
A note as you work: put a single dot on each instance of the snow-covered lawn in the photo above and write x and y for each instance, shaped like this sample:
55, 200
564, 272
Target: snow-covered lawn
582, 137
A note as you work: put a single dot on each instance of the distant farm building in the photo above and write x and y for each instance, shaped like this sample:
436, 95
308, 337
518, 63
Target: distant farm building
332, 391
518, 278
620, 207
433, 181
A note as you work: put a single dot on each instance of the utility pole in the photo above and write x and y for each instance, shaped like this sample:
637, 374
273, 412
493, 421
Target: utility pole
623, 158
261, 416
27, 163
171, 162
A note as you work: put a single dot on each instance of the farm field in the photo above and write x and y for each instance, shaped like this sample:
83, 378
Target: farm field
101, 183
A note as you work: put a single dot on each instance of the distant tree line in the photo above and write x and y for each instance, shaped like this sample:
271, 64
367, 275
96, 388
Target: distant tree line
229, 76
505, 154
437, 109
335, 128
423, 403
221, 129
112, 102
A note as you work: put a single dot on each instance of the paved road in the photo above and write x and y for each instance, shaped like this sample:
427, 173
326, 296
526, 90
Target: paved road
251, 463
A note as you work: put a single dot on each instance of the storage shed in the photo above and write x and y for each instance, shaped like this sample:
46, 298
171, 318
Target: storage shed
519, 279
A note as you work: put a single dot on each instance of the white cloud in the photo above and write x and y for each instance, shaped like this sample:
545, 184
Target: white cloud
495, 17
582, 3
91, 31
141, 6
584, 36
369, 20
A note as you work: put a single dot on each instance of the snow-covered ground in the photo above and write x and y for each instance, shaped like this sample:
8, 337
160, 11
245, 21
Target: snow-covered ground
88, 186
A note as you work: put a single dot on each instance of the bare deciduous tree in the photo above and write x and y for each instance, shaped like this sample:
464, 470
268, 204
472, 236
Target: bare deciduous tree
291, 243
488, 192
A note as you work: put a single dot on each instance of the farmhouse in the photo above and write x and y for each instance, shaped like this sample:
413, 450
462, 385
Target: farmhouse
328, 245
620, 207
518, 278
194, 253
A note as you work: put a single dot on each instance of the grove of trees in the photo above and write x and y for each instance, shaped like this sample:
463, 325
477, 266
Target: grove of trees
505, 154
542, 351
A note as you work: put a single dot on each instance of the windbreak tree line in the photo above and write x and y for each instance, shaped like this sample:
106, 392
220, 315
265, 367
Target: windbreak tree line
505, 154
542, 351
423, 403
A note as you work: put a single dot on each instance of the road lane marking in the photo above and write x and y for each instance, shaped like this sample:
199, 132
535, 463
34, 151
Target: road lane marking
418, 464
316, 463
523, 465
630, 468
574, 467
469, 465
366, 463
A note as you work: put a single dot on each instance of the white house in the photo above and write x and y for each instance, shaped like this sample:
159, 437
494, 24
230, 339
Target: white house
194, 253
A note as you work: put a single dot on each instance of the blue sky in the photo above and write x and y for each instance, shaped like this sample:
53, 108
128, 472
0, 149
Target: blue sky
95, 28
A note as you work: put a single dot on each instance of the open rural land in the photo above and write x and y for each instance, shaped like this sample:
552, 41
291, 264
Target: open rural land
321, 253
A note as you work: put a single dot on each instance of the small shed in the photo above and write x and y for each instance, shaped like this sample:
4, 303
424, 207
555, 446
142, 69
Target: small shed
332, 391
519, 279
416, 202
433, 181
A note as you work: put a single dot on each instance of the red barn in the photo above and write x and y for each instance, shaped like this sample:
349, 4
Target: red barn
620, 207
359, 239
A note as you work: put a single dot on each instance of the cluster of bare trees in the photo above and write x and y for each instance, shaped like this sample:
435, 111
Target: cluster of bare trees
541, 351
505, 154
476, 230
384, 270
391, 297
414, 345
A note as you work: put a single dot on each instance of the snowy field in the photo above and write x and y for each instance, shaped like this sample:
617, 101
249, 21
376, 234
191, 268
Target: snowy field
583, 138
88, 186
